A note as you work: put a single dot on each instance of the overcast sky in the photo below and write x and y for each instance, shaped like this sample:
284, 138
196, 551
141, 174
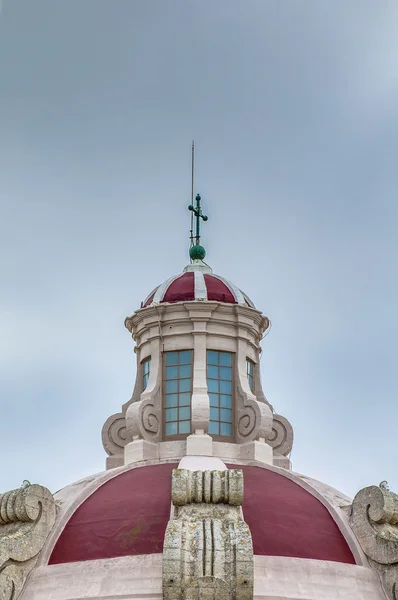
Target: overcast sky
294, 109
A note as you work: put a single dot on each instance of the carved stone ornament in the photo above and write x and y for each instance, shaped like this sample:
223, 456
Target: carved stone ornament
374, 520
27, 516
281, 438
208, 550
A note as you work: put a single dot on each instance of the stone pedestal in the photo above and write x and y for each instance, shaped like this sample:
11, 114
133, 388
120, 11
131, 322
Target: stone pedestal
199, 444
140, 450
257, 451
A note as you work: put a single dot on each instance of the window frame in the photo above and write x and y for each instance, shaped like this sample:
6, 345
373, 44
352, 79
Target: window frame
145, 360
251, 362
176, 436
217, 436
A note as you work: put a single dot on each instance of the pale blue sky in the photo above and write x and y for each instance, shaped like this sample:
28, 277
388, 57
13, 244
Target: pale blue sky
294, 109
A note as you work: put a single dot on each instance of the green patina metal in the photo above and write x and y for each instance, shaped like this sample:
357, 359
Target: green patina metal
197, 252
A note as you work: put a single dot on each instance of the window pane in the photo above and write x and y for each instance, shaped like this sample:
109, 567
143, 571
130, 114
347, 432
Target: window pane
212, 386
226, 373
213, 399
214, 428
225, 387
171, 358
171, 428
171, 386
184, 413
212, 372
226, 401
226, 359
171, 400
185, 371
226, 415
185, 357
184, 427
214, 414
185, 385
184, 399
171, 414
212, 357
171, 372
226, 429
146, 377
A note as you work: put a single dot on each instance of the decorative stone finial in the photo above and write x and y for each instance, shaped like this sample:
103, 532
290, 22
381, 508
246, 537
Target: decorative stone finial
27, 516
208, 550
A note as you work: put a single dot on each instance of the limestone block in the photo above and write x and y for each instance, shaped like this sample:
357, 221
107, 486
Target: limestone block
256, 450
374, 519
199, 445
27, 516
140, 450
208, 550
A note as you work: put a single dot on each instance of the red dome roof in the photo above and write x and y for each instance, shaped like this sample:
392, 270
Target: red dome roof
129, 514
197, 284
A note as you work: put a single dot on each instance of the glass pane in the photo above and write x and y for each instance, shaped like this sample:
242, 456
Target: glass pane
171, 372
171, 386
146, 377
212, 372
171, 358
249, 367
226, 429
147, 366
212, 357
250, 379
226, 359
213, 399
226, 415
225, 387
185, 385
171, 414
212, 386
184, 399
226, 401
185, 371
214, 428
214, 414
184, 413
184, 427
226, 373
171, 428
171, 400
185, 357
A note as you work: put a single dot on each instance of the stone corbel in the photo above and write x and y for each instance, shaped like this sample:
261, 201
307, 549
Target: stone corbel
27, 516
374, 520
208, 550
281, 438
144, 417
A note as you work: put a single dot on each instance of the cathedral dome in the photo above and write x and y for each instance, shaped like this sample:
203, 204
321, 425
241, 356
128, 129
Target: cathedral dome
197, 282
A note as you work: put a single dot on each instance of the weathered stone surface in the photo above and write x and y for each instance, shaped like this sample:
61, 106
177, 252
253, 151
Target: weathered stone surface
27, 516
208, 551
374, 519
281, 439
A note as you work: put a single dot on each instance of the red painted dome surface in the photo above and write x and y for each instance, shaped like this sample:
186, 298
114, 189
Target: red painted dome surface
129, 514
197, 285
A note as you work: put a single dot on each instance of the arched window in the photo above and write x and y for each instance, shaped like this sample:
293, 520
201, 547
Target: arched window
219, 386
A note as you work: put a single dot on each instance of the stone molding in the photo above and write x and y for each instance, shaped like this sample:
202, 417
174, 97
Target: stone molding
374, 520
27, 516
208, 550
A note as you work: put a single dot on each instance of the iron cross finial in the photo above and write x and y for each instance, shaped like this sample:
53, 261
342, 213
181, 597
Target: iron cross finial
197, 252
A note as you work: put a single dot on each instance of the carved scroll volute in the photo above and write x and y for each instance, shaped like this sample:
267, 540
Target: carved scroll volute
114, 435
374, 520
144, 417
281, 438
27, 516
208, 550
253, 418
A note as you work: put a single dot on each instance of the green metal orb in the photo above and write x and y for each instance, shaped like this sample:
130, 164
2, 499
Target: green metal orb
197, 252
